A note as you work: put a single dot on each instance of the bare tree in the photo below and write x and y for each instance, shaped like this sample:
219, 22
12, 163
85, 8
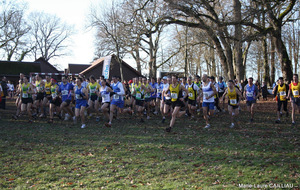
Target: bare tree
50, 35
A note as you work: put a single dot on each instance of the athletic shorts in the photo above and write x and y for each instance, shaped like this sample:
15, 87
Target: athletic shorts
279, 104
93, 97
233, 107
168, 102
192, 102
118, 103
148, 99
296, 101
81, 103
177, 103
250, 102
68, 101
27, 100
48, 96
210, 105
56, 102
40, 96
139, 103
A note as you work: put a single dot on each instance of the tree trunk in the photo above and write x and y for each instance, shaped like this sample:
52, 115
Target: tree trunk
272, 59
285, 62
238, 43
213, 61
266, 76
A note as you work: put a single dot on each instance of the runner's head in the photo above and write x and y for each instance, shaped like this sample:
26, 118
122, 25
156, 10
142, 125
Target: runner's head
295, 77
152, 80
165, 79
79, 80
103, 82
169, 80
64, 79
230, 83
53, 81
26, 79
174, 79
212, 79
204, 77
189, 80
250, 80
280, 81
92, 79
144, 80
47, 78
220, 79
114, 79
197, 78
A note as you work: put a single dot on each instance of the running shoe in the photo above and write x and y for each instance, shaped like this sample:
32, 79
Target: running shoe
83, 126
207, 126
108, 125
232, 125
168, 129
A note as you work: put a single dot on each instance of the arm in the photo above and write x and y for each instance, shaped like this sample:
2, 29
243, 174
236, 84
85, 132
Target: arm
186, 92
275, 91
225, 93
214, 90
240, 96
122, 92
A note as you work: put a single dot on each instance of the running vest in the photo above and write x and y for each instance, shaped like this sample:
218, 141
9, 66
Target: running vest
250, 92
132, 86
48, 87
117, 97
65, 90
93, 87
139, 93
105, 94
232, 96
198, 84
159, 89
192, 92
185, 86
38, 86
295, 89
53, 91
25, 90
147, 94
78, 93
222, 86
281, 91
165, 88
174, 92
207, 91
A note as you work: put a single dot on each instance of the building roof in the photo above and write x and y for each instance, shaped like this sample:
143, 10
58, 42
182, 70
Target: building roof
17, 67
100, 62
77, 68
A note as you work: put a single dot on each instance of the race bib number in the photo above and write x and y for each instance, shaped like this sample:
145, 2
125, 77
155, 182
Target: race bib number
183, 93
205, 95
296, 93
78, 97
174, 95
147, 95
191, 95
249, 94
93, 91
104, 95
233, 101
138, 95
282, 93
24, 95
54, 95
116, 96
64, 92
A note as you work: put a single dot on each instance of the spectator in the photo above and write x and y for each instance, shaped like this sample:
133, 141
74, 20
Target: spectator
11, 89
5, 92
264, 89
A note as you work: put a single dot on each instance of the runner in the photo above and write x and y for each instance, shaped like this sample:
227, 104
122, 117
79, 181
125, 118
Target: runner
222, 86
280, 92
177, 100
93, 102
250, 95
105, 91
117, 100
193, 92
47, 95
55, 101
234, 96
153, 84
216, 96
159, 89
40, 91
166, 99
81, 96
19, 98
208, 92
26, 90
147, 93
140, 91
294, 95
66, 90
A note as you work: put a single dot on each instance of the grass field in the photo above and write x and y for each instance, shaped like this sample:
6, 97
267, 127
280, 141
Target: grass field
131, 155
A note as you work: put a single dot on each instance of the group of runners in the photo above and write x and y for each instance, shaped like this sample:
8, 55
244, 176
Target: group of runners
168, 96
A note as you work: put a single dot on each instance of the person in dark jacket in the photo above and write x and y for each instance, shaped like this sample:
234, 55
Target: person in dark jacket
5, 92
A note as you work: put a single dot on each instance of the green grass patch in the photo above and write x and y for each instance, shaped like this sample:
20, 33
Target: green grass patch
132, 155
